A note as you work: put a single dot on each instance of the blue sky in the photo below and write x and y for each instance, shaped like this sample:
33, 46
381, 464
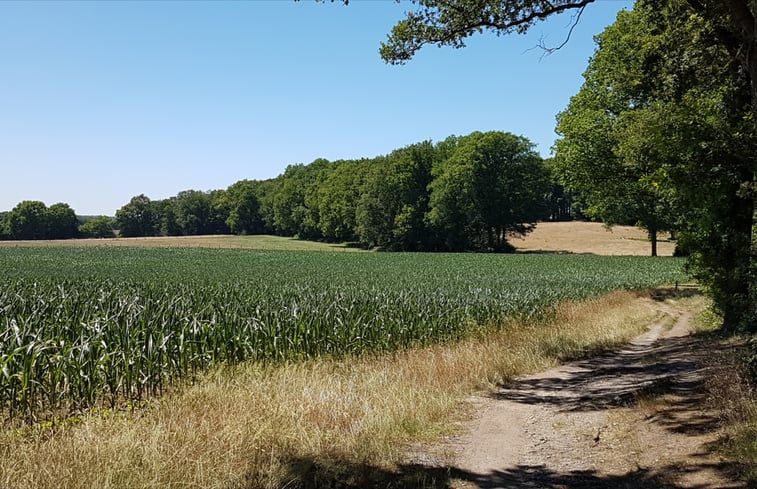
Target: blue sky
101, 101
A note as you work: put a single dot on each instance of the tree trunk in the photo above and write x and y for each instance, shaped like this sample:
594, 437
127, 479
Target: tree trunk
653, 238
743, 19
751, 313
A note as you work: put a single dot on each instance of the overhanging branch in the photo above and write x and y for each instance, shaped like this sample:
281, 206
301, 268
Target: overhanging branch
449, 22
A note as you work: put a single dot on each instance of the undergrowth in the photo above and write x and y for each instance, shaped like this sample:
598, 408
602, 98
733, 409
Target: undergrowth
732, 389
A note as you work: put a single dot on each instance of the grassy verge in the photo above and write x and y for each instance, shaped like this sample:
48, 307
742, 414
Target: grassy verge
308, 423
732, 389
740, 443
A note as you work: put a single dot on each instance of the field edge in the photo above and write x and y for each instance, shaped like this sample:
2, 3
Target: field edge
304, 423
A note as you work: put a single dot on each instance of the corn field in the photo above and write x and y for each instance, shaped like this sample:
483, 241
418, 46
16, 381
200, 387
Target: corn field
82, 327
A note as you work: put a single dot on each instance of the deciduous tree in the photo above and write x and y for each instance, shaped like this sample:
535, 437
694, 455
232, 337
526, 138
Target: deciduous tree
28, 220
295, 202
395, 200
494, 185
136, 218
662, 117
243, 207
97, 227
61, 222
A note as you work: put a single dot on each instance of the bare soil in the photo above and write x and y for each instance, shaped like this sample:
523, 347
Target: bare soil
636, 418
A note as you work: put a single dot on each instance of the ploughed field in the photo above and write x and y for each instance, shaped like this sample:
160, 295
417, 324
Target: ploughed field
81, 327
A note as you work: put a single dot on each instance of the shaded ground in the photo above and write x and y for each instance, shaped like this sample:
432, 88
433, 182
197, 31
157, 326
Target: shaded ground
636, 418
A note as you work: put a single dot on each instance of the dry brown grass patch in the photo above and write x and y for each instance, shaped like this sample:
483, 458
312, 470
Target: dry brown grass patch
592, 238
221, 241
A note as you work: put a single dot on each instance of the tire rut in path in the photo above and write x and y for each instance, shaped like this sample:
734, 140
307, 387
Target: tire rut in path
632, 418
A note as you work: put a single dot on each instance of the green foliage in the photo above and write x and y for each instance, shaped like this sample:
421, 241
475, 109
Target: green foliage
164, 219
81, 326
560, 203
450, 22
619, 187
241, 200
382, 202
28, 220
198, 213
395, 199
493, 185
337, 198
34, 220
295, 204
661, 133
97, 227
136, 218
61, 222
4, 232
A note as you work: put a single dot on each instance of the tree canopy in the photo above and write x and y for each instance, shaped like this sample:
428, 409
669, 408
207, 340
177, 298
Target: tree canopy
660, 132
450, 22
28, 220
493, 185
406, 200
97, 227
621, 79
137, 218
32, 219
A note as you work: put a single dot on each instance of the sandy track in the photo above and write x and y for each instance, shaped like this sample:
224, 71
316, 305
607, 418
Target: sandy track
633, 418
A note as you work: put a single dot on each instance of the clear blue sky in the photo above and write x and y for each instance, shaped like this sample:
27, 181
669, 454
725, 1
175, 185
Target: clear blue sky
101, 101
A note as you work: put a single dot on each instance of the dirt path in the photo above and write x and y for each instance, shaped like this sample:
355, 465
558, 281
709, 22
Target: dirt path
634, 418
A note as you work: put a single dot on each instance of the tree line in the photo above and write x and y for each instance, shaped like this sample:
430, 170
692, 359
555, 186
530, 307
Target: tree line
464, 193
32, 219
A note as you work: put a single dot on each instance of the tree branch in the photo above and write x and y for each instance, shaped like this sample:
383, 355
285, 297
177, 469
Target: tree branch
527, 20
449, 22
574, 22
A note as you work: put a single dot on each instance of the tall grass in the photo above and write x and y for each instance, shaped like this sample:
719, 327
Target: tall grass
82, 327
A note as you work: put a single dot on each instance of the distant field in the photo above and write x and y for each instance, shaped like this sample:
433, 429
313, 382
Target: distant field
554, 237
256, 242
591, 238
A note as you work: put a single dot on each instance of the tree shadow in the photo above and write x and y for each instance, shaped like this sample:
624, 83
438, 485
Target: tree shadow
622, 379
308, 473
661, 294
552, 252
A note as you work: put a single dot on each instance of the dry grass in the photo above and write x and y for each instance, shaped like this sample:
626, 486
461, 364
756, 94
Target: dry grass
256, 242
732, 391
256, 426
592, 238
